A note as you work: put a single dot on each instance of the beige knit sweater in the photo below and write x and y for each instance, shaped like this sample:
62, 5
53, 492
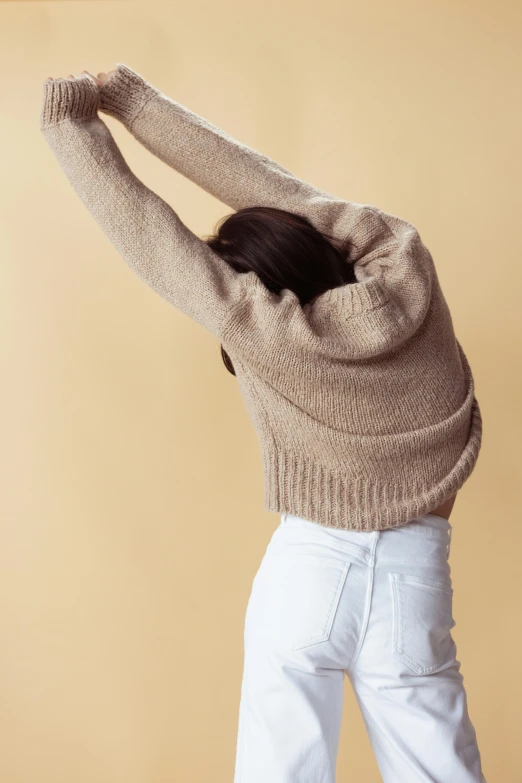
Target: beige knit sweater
363, 400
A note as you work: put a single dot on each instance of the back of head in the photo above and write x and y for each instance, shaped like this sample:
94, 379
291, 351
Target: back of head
285, 250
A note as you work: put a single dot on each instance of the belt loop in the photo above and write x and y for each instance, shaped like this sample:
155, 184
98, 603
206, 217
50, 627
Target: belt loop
450, 531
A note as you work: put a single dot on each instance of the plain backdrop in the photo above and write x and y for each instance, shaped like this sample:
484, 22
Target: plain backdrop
131, 487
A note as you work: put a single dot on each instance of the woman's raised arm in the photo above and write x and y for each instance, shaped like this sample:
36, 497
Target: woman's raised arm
234, 173
145, 230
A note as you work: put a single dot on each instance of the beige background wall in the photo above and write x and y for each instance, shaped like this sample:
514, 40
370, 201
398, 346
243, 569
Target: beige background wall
131, 488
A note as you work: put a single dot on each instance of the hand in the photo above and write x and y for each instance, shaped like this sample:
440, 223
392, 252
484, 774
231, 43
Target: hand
98, 80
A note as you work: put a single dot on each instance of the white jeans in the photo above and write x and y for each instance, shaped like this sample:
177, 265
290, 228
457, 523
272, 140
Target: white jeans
376, 606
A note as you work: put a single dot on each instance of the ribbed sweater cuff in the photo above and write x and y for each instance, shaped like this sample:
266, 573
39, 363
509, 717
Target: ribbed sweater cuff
125, 93
68, 99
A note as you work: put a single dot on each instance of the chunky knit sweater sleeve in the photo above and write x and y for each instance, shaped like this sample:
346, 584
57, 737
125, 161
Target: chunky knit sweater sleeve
395, 271
180, 266
233, 172
146, 231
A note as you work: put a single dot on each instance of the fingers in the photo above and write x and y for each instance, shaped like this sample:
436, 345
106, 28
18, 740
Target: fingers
97, 80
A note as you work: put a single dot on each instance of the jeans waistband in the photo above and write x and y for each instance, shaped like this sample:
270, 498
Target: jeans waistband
423, 539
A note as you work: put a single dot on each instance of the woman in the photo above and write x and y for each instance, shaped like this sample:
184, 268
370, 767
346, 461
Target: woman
331, 316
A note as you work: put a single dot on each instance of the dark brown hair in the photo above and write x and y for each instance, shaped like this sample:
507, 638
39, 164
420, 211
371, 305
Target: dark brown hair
285, 250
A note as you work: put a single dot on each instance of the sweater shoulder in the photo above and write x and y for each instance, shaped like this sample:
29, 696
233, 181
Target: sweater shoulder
396, 282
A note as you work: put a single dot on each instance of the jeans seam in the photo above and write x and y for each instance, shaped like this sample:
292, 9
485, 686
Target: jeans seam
366, 618
367, 603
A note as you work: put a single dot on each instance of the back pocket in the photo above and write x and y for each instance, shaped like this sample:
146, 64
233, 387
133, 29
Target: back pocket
422, 622
294, 599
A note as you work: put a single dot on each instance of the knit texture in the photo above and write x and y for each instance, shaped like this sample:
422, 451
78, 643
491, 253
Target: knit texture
363, 400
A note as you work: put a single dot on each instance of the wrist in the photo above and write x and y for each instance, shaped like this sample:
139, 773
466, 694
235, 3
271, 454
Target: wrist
125, 93
68, 99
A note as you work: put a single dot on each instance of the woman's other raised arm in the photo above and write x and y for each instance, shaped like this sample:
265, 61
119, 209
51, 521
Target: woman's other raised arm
145, 230
234, 173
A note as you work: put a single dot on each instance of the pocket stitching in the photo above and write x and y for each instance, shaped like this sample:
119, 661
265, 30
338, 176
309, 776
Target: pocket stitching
324, 634
423, 580
397, 638
332, 611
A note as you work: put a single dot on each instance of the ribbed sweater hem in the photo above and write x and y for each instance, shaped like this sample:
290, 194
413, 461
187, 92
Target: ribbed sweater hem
296, 485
